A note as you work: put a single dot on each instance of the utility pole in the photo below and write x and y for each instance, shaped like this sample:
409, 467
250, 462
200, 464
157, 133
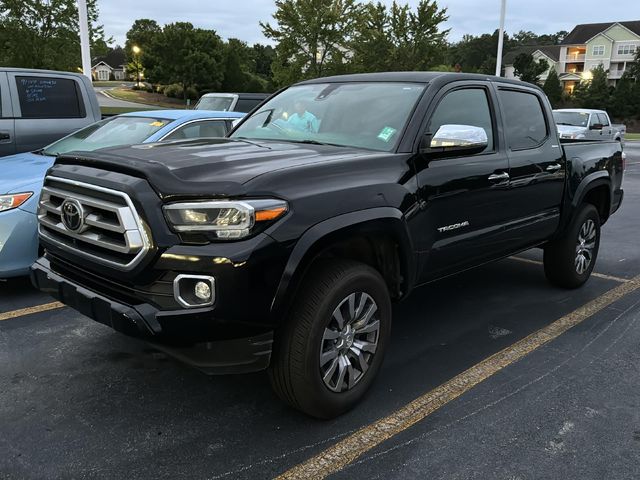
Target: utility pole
500, 39
84, 38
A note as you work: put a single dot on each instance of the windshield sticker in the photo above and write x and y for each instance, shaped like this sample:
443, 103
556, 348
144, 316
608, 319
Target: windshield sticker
157, 124
386, 133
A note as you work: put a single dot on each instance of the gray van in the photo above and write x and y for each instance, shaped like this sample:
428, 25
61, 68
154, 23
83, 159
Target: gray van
38, 107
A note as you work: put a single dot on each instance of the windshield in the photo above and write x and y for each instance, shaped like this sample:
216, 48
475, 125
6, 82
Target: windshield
220, 104
577, 119
108, 133
368, 115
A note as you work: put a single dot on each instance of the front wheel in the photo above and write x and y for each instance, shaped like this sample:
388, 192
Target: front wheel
569, 260
331, 346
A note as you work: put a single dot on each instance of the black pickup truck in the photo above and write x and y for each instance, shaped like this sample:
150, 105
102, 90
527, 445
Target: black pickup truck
284, 245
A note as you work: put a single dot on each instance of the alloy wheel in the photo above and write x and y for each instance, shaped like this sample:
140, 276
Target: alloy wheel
585, 246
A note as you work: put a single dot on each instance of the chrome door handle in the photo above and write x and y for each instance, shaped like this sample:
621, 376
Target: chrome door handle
554, 167
5, 136
499, 177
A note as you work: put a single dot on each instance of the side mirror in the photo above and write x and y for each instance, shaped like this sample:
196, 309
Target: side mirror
596, 126
453, 139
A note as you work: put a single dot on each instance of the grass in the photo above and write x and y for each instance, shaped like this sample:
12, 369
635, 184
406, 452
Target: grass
110, 83
119, 110
145, 98
632, 136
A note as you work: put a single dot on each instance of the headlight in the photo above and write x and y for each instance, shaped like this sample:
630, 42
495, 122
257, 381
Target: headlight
13, 200
227, 219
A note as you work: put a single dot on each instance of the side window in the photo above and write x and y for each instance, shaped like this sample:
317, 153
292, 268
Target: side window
602, 119
207, 128
593, 120
245, 105
524, 119
468, 106
49, 97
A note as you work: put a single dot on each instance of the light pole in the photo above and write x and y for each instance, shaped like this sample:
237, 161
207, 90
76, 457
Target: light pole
501, 38
84, 38
136, 51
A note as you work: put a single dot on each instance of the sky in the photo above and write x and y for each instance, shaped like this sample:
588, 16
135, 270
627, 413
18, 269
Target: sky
239, 18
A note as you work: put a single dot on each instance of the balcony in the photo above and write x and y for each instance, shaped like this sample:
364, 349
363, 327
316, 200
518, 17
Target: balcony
574, 57
615, 74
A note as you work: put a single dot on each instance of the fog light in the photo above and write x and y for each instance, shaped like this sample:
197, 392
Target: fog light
192, 291
203, 291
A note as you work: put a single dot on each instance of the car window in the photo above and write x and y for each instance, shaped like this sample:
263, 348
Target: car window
207, 128
219, 104
525, 123
576, 119
602, 119
49, 97
467, 106
369, 115
593, 120
126, 130
245, 105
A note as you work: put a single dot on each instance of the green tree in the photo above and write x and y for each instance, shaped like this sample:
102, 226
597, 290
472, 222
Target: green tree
553, 88
238, 66
625, 100
141, 34
312, 37
263, 56
188, 56
476, 54
594, 92
527, 69
44, 34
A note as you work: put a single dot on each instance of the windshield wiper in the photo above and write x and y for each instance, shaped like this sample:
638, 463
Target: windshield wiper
314, 142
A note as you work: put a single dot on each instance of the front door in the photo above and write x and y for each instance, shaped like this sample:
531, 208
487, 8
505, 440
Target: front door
462, 197
7, 123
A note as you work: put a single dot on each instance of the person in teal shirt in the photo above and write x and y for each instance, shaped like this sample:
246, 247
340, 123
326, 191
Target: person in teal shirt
302, 119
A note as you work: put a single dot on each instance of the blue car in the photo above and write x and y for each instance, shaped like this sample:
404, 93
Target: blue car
21, 175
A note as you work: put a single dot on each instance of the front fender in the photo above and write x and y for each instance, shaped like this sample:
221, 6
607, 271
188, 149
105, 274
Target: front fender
373, 220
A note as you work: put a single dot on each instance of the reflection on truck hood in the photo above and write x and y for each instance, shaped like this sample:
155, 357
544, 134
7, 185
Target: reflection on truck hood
221, 164
570, 129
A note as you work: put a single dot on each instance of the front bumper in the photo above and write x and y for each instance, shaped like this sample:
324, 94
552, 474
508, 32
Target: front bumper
18, 242
236, 355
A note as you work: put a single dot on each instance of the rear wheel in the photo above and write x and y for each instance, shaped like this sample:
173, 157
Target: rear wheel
569, 260
332, 345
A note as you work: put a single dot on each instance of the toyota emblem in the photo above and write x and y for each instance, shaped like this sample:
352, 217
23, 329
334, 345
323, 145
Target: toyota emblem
72, 215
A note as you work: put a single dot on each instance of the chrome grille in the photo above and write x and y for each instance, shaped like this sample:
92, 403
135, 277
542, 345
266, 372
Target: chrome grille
109, 229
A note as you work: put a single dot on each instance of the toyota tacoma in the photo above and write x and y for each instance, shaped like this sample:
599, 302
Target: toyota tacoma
283, 246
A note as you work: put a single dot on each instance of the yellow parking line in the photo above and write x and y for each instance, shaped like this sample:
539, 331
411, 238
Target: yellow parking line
338, 456
30, 310
593, 274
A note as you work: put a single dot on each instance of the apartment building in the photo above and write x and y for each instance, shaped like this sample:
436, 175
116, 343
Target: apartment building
612, 45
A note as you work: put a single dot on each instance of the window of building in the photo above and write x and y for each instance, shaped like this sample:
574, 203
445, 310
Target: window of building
49, 97
524, 119
626, 49
468, 106
598, 50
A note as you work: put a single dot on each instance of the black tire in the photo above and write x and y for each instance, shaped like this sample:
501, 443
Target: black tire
295, 370
561, 263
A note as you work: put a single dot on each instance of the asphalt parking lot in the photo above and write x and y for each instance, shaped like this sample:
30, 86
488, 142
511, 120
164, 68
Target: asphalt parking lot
78, 400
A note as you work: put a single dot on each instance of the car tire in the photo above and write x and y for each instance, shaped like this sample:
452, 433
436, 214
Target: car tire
312, 341
569, 260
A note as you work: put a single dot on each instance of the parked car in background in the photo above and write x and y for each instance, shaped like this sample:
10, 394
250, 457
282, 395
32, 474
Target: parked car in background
38, 107
230, 102
587, 124
23, 173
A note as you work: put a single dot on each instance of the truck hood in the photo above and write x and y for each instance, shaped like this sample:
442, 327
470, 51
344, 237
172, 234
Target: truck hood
570, 129
212, 166
21, 170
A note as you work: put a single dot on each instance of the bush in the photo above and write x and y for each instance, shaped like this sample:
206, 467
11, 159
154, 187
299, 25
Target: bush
173, 91
192, 93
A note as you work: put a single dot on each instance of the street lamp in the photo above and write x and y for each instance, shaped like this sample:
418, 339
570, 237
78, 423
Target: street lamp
136, 51
503, 8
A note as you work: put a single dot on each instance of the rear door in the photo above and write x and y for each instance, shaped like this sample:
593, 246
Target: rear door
7, 123
46, 108
537, 167
607, 131
463, 197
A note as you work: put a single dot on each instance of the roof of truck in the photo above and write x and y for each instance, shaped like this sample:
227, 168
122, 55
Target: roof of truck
417, 77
